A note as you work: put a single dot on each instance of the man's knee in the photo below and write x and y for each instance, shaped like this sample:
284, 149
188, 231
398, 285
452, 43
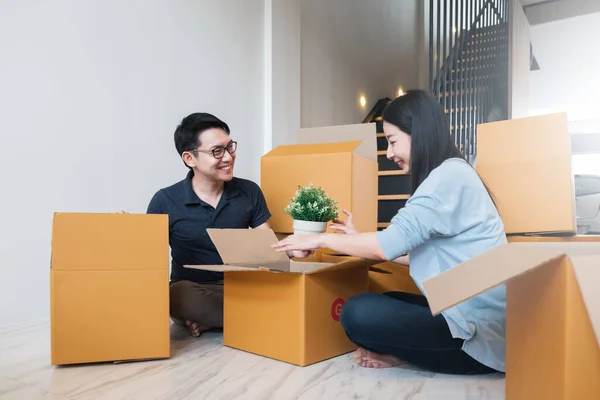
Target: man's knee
179, 298
195, 302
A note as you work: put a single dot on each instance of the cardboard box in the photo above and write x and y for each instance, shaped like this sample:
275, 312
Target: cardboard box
109, 288
386, 277
399, 280
526, 163
279, 308
546, 239
340, 159
553, 314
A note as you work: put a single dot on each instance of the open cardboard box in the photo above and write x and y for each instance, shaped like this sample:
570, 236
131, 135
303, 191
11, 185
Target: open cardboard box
340, 159
526, 164
386, 277
279, 308
553, 314
109, 288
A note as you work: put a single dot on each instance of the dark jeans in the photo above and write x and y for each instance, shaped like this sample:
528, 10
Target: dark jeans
401, 325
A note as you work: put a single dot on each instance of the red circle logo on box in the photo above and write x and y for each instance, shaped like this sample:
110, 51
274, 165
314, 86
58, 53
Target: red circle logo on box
336, 309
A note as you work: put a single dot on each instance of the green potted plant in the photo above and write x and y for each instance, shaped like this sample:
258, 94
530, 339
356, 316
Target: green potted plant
311, 208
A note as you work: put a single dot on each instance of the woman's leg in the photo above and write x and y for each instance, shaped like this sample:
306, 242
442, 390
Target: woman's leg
411, 298
408, 332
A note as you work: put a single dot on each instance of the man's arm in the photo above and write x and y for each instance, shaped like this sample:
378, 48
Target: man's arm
155, 206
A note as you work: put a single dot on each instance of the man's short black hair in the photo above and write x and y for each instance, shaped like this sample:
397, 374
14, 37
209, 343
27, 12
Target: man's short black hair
187, 134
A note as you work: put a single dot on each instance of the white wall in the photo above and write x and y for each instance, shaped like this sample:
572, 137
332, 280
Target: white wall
90, 94
354, 47
568, 52
285, 72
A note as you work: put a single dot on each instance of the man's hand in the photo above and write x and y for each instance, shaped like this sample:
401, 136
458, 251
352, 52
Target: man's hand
347, 226
300, 253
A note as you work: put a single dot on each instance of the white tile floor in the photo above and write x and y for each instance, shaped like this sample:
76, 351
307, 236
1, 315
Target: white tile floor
204, 369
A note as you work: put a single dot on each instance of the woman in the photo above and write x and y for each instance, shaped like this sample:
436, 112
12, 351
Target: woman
449, 218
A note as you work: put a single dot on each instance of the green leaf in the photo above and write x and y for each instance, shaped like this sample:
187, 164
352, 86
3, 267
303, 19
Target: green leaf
311, 203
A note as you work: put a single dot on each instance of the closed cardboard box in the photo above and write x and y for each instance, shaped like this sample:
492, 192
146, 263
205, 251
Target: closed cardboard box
340, 159
109, 288
282, 309
526, 163
553, 314
385, 277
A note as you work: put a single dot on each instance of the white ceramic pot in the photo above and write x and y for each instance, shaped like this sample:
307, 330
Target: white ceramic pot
309, 227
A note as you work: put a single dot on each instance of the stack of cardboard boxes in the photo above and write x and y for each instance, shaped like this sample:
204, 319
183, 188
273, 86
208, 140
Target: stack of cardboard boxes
553, 304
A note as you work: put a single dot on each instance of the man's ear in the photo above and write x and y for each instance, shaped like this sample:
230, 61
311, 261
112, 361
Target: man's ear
189, 159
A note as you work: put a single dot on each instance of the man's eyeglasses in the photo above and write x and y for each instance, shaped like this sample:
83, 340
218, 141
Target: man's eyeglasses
219, 152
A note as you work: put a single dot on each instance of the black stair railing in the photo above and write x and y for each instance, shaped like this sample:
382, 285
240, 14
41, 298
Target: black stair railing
468, 64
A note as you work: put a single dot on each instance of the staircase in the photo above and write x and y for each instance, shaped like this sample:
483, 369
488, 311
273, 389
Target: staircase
394, 185
468, 65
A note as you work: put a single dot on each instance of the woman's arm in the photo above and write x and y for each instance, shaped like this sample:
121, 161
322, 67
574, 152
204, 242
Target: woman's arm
290, 254
364, 245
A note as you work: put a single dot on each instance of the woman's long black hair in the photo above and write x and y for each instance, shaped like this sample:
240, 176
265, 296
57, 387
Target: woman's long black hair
422, 117
419, 115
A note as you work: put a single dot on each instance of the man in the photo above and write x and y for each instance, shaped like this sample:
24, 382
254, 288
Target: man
209, 197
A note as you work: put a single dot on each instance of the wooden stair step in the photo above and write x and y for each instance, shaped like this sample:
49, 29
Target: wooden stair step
393, 197
391, 173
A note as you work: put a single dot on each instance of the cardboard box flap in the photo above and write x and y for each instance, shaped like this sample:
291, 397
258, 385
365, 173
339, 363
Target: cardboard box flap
365, 133
303, 149
109, 242
344, 265
533, 188
224, 268
587, 273
484, 272
247, 247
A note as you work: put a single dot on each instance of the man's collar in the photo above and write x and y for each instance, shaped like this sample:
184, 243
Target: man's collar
230, 190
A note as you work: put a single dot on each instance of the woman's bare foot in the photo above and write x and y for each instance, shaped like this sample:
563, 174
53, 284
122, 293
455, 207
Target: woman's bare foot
195, 329
370, 359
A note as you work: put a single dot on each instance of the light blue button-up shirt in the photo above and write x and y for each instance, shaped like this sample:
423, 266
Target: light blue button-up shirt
448, 220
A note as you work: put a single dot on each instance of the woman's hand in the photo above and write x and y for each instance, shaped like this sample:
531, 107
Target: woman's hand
296, 243
347, 226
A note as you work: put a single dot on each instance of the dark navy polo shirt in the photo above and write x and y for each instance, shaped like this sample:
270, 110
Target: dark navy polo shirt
242, 206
